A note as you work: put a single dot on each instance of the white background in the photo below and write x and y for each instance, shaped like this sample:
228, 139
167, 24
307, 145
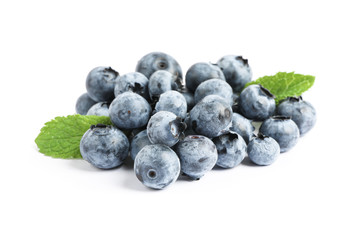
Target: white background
48, 47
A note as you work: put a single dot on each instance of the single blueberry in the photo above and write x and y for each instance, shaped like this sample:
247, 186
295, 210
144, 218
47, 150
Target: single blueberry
197, 154
138, 142
214, 87
200, 72
283, 130
161, 81
172, 101
157, 166
236, 70
300, 111
263, 150
100, 84
83, 104
211, 116
134, 82
155, 61
242, 126
99, 109
104, 146
129, 110
165, 128
231, 149
256, 103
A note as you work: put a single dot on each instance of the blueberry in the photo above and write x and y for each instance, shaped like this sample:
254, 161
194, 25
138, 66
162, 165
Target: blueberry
99, 109
256, 103
211, 116
135, 82
197, 154
231, 149
165, 128
200, 72
283, 130
160, 82
83, 104
129, 110
189, 96
172, 101
138, 142
242, 126
236, 70
100, 84
300, 111
157, 166
263, 150
214, 87
104, 146
155, 61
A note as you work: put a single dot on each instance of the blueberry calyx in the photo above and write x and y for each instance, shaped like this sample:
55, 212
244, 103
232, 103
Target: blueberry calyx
110, 71
177, 128
295, 99
137, 88
243, 60
261, 136
266, 91
280, 117
99, 125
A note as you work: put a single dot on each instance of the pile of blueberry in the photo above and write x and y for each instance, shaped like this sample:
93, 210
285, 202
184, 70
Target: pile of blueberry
170, 126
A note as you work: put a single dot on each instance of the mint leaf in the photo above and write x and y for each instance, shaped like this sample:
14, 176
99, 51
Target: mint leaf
60, 138
284, 85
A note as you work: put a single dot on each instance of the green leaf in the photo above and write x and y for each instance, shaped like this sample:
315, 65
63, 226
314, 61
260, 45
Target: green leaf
284, 85
60, 138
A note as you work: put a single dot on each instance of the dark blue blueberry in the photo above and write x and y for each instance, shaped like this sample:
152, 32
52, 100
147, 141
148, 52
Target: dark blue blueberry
283, 130
211, 116
83, 104
197, 154
129, 110
157, 166
172, 101
160, 82
100, 84
231, 149
165, 128
214, 87
138, 142
134, 82
263, 150
99, 109
155, 61
104, 146
200, 72
256, 103
300, 111
236, 70
242, 126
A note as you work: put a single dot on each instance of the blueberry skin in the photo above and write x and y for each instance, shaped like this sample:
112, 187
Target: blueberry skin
161, 81
283, 130
211, 116
256, 103
155, 61
83, 104
172, 101
242, 126
135, 82
100, 84
99, 109
129, 110
231, 149
105, 147
236, 70
200, 72
165, 128
300, 111
157, 166
197, 154
263, 150
189, 96
138, 142
214, 87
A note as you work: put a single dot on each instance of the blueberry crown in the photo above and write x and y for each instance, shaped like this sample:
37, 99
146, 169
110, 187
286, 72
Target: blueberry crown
261, 136
112, 71
266, 91
280, 117
243, 60
294, 99
99, 125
